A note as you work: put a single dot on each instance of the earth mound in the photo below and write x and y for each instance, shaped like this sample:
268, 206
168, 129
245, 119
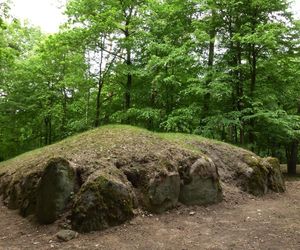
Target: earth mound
100, 178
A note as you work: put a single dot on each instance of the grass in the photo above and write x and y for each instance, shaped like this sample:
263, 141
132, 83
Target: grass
118, 141
101, 142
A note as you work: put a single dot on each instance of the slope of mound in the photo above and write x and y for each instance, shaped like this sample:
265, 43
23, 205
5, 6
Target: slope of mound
100, 178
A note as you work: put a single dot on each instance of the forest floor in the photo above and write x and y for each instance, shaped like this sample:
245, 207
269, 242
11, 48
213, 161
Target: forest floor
239, 222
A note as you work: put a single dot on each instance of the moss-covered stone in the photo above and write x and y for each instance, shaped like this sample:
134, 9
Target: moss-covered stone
201, 184
257, 183
275, 177
104, 200
28, 194
163, 191
54, 190
14, 196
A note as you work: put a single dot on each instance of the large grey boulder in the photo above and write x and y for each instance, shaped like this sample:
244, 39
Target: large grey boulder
275, 177
200, 184
105, 200
163, 191
54, 190
244, 169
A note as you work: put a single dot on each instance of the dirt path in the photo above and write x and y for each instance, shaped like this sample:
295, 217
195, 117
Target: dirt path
272, 222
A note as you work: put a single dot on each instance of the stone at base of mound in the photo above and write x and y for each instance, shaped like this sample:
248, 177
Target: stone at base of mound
163, 192
275, 178
54, 190
265, 175
202, 184
105, 200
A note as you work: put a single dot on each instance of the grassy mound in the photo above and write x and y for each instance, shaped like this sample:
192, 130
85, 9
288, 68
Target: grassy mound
100, 177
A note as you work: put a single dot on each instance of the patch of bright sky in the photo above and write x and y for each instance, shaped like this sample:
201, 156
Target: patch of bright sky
48, 15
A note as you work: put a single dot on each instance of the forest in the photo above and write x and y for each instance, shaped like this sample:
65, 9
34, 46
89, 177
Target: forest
226, 69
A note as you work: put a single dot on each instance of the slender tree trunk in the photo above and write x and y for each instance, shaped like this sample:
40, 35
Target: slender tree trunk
48, 130
64, 118
292, 153
100, 85
253, 75
129, 76
210, 64
98, 105
240, 90
128, 12
87, 109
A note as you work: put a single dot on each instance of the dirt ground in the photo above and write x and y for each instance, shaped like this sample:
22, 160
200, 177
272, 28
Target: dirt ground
240, 222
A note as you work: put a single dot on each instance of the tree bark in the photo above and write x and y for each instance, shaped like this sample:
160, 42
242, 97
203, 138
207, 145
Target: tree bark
100, 85
210, 64
292, 158
253, 76
129, 75
64, 106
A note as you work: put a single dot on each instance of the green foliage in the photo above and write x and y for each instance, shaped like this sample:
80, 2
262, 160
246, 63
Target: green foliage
186, 66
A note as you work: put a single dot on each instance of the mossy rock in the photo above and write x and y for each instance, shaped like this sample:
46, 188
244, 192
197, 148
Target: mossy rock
21, 194
257, 184
201, 184
54, 190
265, 175
105, 200
275, 177
13, 201
163, 191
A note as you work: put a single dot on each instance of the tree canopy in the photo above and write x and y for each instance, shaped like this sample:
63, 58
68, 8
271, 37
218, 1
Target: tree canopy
225, 69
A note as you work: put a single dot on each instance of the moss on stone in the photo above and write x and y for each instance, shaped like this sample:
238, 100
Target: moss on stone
257, 184
54, 190
102, 202
204, 186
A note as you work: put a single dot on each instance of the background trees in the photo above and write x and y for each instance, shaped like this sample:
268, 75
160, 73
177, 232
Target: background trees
225, 69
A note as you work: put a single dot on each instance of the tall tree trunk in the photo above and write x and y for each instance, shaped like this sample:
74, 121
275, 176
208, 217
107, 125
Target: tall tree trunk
128, 12
252, 89
100, 84
239, 89
210, 63
64, 106
98, 104
253, 76
292, 152
48, 130
87, 108
129, 76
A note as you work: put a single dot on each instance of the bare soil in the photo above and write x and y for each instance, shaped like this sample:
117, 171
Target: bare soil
241, 221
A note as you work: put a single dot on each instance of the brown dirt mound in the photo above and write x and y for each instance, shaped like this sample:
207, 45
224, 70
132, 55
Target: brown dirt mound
104, 176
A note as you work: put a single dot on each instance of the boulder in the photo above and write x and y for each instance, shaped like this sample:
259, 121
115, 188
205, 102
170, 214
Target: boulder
275, 178
54, 190
106, 199
28, 194
66, 235
200, 184
157, 183
244, 169
163, 191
